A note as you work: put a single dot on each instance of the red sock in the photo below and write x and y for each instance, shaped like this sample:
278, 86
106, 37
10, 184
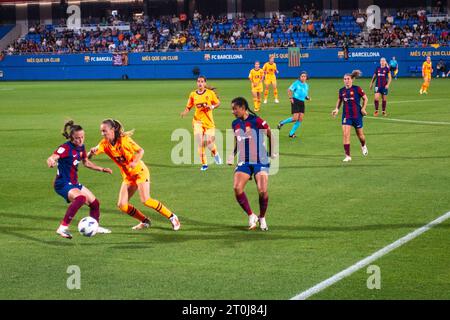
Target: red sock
383, 105
95, 210
363, 142
347, 149
76, 204
243, 202
263, 203
377, 103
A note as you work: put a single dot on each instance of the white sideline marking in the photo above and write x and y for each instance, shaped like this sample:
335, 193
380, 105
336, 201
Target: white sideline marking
421, 100
361, 264
409, 121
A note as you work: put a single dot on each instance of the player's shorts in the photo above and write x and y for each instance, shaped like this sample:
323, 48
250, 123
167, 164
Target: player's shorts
357, 123
298, 106
427, 77
202, 130
252, 169
258, 88
381, 90
63, 189
270, 80
141, 177
393, 69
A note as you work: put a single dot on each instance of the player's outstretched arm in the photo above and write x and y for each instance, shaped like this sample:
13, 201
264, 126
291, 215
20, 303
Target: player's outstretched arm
52, 160
90, 165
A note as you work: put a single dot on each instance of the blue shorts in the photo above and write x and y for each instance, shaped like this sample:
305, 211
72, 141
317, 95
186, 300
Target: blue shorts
63, 189
252, 169
356, 123
381, 90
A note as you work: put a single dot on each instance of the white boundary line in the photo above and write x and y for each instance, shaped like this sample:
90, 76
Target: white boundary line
410, 121
421, 100
361, 264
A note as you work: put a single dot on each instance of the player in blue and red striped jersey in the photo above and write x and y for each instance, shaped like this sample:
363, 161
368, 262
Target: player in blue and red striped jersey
352, 114
67, 157
249, 133
382, 76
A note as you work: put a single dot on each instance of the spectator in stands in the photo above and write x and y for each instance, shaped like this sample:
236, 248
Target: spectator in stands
441, 69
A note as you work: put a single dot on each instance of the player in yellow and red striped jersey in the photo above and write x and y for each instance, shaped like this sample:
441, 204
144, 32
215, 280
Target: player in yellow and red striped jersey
427, 70
127, 154
204, 100
256, 77
270, 78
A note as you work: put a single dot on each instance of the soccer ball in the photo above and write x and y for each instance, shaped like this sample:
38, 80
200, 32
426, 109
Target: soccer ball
88, 226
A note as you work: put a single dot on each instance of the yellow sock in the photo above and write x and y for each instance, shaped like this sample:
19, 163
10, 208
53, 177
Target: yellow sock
158, 206
201, 153
266, 94
255, 103
275, 93
133, 212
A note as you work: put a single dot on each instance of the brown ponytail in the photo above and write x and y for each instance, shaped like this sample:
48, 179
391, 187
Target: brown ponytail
355, 74
69, 129
118, 128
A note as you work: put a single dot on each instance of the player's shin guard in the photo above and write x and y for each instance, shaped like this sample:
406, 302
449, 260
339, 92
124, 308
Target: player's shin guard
76, 204
288, 120
266, 94
275, 93
94, 211
263, 203
133, 212
383, 105
377, 104
158, 206
243, 202
255, 103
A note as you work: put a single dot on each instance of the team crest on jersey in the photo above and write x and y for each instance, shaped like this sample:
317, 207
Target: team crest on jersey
352, 93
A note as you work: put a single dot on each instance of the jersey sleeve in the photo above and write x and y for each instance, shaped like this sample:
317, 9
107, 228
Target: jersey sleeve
62, 151
214, 98
361, 92
293, 87
190, 102
132, 145
262, 124
100, 148
83, 153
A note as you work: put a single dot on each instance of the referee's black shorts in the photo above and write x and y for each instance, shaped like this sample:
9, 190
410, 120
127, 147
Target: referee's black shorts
297, 106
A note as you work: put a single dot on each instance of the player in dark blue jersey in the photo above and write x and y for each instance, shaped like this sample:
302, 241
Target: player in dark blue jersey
253, 160
67, 157
382, 79
352, 112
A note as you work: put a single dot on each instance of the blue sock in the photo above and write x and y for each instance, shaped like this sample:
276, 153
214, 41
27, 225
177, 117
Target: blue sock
295, 127
288, 120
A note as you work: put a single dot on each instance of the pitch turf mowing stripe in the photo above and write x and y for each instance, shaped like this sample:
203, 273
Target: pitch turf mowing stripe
362, 263
410, 121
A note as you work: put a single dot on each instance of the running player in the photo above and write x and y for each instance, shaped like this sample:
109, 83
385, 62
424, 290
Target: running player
383, 78
250, 131
67, 157
256, 77
270, 78
127, 154
204, 100
298, 93
427, 70
353, 112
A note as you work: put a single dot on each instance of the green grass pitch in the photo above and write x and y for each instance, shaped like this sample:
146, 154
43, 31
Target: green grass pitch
323, 215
